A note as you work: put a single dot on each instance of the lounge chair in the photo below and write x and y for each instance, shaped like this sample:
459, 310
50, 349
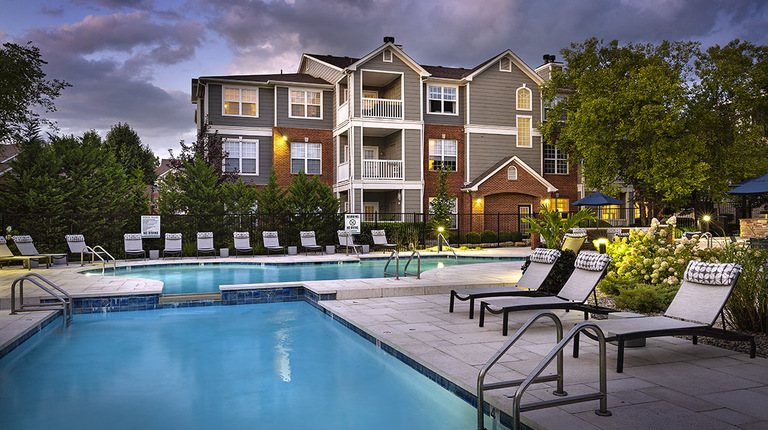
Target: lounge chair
243, 242
380, 240
26, 247
701, 298
309, 242
7, 255
589, 269
205, 243
172, 244
132, 245
77, 246
272, 242
346, 240
573, 242
542, 262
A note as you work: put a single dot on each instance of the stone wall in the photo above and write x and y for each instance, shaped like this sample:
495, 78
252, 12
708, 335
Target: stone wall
753, 227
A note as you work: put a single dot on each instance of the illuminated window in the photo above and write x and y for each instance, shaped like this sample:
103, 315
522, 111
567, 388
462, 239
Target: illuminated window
609, 212
306, 157
242, 156
305, 104
512, 173
442, 152
442, 100
555, 160
524, 132
240, 102
560, 205
523, 98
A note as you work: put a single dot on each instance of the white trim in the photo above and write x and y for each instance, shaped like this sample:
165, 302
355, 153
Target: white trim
303, 56
240, 142
530, 99
516, 60
368, 122
509, 176
456, 108
466, 158
517, 131
544, 159
240, 101
384, 55
550, 188
395, 51
242, 131
384, 185
305, 90
502, 69
305, 158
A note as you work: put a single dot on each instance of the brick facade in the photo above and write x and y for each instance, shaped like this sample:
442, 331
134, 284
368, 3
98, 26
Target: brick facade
455, 179
281, 153
566, 184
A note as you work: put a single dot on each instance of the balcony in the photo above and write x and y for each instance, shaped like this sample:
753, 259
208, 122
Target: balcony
383, 169
342, 113
342, 172
382, 108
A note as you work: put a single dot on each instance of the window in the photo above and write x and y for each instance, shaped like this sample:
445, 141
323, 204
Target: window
524, 132
240, 101
560, 205
609, 212
555, 160
387, 56
442, 100
554, 103
505, 64
512, 173
242, 156
523, 98
305, 104
306, 157
453, 210
442, 152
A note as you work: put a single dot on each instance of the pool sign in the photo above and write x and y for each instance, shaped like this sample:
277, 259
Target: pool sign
150, 226
352, 223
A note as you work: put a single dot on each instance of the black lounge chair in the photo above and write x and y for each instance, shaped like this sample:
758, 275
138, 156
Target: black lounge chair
701, 298
589, 270
542, 262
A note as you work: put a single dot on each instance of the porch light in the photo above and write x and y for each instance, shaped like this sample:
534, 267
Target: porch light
706, 218
440, 229
479, 200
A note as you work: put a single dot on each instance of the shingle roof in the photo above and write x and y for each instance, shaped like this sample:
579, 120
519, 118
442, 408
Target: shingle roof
447, 72
340, 62
302, 78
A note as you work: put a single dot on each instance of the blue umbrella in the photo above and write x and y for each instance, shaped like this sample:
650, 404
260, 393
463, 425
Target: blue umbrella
597, 199
757, 185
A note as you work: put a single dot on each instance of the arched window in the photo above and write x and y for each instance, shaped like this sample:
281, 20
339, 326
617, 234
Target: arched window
512, 173
523, 98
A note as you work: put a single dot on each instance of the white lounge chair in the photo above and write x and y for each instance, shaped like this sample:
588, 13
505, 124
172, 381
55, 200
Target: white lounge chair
347, 241
542, 260
26, 247
243, 242
309, 242
589, 270
271, 242
132, 245
380, 240
77, 246
693, 311
7, 255
205, 243
172, 244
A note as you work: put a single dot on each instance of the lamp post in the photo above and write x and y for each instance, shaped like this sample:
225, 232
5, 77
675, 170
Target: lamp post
601, 245
439, 242
706, 219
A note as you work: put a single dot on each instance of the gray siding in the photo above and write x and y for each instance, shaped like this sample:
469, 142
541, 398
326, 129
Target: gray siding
320, 70
493, 97
355, 152
411, 84
265, 158
487, 149
446, 119
413, 160
412, 201
216, 106
283, 106
393, 147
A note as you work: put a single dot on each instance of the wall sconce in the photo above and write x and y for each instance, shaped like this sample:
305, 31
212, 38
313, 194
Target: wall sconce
306, 139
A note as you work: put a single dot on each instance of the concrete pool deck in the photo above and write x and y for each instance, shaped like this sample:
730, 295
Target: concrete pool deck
670, 383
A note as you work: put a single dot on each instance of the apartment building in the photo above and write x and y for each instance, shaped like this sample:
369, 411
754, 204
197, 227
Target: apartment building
379, 127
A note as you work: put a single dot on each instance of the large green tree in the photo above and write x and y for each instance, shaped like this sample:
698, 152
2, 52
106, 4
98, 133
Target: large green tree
125, 144
24, 88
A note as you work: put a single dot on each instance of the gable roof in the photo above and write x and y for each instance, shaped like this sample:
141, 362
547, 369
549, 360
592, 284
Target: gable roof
337, 62
515, 59
396, 50
504, 162
298, 78
7, 153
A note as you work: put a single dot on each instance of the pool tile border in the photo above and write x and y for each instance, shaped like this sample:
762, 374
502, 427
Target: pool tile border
37, 328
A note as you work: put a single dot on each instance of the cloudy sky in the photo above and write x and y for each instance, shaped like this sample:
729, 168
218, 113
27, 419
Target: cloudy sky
131, 61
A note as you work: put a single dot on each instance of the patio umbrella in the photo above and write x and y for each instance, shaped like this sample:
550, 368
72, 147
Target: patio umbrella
597, 199
757, 185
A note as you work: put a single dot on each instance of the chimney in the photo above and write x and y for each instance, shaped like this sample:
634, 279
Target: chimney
548, 58
389, 39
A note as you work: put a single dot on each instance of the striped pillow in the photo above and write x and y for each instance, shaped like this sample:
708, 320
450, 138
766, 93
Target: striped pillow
592, 262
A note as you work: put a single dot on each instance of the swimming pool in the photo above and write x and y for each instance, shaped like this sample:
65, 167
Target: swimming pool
194, 278
225, 367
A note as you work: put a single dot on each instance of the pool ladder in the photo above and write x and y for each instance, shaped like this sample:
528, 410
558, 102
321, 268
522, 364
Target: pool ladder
534, 376
442, 240
62, 299
96, 251
406, 273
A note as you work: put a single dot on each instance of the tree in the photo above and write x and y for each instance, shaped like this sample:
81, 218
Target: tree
208, 147
552, 226
198, 183
239, 197
627, 119
126, 145
22, 88
272, 208
442, 207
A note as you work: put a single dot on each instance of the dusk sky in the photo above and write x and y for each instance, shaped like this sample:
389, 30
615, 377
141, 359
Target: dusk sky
131, 61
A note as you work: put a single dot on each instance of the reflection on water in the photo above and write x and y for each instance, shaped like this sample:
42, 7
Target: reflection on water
283, 348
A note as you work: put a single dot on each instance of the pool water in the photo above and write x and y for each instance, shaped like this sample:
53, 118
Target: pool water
270, 366
206, 278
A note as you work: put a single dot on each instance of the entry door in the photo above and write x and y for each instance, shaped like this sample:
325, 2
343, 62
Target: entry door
370, 209
522, 212
371, 167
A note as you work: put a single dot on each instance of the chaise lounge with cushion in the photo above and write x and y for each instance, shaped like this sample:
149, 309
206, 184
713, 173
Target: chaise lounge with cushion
26, 247
7, 255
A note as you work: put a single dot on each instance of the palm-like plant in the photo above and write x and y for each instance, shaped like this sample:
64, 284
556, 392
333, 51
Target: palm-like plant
552, 226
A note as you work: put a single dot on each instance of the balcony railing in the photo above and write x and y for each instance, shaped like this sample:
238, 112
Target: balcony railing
342, 113
382, 169
382, 108
343, 172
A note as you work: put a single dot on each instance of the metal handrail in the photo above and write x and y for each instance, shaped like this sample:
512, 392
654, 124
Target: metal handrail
418, 267
95, 252
708, 235
534, 376
65, 303
395, 254
439, 245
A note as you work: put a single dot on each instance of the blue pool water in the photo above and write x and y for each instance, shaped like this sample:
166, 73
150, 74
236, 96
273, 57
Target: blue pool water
271, 366
195, 278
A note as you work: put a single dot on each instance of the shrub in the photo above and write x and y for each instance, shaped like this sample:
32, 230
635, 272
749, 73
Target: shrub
456, 238
488, 236
515, 236
747, 308
559, 274
473, 237
505, 236
638, 296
